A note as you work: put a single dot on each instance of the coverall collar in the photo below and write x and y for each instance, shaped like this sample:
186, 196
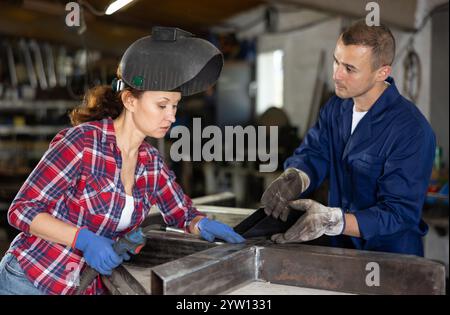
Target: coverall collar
386, 99
363, 131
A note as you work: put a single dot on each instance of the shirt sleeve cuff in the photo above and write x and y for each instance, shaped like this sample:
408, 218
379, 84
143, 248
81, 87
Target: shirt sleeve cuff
367, 223
74, 242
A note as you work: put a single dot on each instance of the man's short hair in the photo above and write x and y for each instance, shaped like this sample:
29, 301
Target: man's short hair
379, 38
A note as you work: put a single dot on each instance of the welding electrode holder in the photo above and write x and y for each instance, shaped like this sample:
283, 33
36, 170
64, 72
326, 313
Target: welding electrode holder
131, 242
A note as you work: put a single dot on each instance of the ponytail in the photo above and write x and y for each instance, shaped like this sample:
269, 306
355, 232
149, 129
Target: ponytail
99, 102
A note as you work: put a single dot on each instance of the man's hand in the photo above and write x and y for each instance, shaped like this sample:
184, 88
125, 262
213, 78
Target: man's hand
317, 220
285, 188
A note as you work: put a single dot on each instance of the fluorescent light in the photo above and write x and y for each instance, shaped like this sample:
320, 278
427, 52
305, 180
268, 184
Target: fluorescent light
116, 5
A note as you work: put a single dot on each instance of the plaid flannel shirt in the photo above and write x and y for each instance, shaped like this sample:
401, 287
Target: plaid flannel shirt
78, 181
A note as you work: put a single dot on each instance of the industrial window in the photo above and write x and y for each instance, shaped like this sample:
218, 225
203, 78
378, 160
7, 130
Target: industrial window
269, 77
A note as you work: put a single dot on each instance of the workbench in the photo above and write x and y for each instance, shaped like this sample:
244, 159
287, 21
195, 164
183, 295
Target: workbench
175, 264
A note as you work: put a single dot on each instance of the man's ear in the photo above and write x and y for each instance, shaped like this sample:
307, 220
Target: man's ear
383, 73
128, 100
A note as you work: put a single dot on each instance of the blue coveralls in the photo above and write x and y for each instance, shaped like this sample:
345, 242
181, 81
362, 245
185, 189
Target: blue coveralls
380, 173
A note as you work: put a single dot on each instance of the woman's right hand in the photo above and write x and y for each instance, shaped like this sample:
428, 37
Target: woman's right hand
98, 251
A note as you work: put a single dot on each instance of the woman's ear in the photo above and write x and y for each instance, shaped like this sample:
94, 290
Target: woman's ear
128, 100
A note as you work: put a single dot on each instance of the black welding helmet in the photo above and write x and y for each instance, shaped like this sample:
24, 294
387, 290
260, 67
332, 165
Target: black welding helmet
170, 60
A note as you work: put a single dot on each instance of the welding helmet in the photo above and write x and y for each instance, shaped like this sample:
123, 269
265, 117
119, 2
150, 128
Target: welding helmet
170, 59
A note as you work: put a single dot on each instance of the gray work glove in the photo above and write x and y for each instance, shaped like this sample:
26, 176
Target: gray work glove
317, 220
288, 186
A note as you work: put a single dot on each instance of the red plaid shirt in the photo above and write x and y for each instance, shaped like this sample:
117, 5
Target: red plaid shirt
78, 181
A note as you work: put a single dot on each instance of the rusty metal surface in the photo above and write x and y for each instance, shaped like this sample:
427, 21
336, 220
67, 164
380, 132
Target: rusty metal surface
347, 270
134, 276
212, 271
163, 247
122, 282
174, 263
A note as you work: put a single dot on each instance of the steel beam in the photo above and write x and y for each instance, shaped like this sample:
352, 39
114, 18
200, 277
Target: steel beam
163, 247
349, 270
134, 277
212, 271
174, 263
122, 282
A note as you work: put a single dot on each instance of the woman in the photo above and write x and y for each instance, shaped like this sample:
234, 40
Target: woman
99, 178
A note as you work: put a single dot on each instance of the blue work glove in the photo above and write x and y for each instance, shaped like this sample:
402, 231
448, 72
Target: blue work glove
210, 229
125, 256
97, 251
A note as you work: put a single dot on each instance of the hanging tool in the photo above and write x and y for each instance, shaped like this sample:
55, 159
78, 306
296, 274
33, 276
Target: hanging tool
63, 67
11, 64
412, 74
42, 79
28, 63
131, 242
50, 65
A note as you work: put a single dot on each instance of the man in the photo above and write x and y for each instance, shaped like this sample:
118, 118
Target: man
375, 148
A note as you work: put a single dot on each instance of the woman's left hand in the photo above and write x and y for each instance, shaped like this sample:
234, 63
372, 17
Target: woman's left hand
211, 229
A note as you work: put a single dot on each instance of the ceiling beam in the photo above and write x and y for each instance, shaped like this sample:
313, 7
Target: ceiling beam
100, 35
398, 13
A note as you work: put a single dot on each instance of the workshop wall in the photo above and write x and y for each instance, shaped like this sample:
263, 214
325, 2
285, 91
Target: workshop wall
302, 62
439, 102
422, 46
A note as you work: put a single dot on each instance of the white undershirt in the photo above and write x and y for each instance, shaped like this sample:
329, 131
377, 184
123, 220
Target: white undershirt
356, 118
127, 213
